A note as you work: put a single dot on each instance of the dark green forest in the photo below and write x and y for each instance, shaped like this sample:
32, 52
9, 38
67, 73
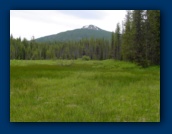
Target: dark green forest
139, 42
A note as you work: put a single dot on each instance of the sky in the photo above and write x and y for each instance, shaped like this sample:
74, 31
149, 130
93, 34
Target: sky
39, 23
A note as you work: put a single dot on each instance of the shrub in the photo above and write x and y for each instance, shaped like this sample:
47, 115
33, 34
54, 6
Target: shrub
85, 57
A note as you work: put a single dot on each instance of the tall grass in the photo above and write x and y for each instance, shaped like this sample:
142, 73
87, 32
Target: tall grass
83, 91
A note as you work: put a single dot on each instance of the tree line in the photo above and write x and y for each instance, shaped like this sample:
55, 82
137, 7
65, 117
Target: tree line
97, 49
137, 41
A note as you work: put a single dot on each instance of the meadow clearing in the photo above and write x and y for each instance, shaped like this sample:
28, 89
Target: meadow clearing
83, 91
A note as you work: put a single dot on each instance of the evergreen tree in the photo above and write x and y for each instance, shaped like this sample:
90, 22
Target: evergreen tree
153, 36
113, 46
127, 41
138, 37
117, 48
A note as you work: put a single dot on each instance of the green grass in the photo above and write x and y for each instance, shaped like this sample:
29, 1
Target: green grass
83, 91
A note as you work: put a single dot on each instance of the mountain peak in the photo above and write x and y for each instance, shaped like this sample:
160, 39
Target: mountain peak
91, 27
85, 32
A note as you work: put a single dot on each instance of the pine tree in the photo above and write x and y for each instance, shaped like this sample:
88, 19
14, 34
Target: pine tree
153, 22
138, 37
127, 41
117, 43
113, 46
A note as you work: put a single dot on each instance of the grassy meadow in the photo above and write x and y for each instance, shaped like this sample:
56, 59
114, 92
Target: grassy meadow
83, 91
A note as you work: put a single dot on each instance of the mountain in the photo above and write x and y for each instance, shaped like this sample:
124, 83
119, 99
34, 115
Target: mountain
92, 27
88, 31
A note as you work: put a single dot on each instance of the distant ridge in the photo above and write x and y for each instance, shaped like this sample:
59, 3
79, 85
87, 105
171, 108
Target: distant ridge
87, 31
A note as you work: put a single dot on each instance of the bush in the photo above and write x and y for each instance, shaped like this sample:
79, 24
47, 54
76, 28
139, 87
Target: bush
85, 57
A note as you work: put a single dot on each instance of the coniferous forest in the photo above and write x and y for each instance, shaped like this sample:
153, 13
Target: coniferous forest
139, 42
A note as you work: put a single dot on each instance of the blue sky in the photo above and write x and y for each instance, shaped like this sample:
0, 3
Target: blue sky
38, 23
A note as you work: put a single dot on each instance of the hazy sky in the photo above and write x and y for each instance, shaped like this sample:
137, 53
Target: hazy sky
38, 23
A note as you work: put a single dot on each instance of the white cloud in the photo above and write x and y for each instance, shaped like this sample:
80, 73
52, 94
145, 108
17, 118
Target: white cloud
38, 23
